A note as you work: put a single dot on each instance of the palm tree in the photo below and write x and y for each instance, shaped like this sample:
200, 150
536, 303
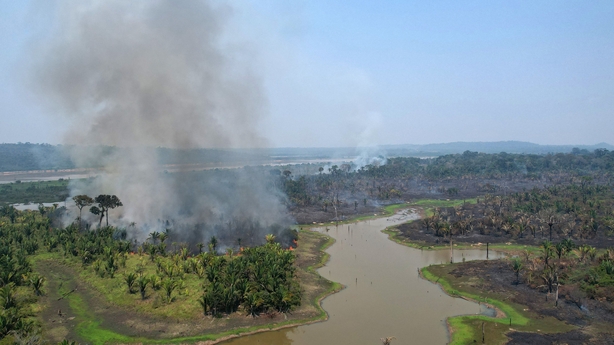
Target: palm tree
204, 302
37, 284
7, 297
213, 245
252, 303
155, 236
130, 280
169, 285
270, 238
546, 251
142, 283
516, 267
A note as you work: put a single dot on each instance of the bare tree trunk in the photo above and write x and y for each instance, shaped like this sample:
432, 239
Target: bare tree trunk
451, 250
556, 298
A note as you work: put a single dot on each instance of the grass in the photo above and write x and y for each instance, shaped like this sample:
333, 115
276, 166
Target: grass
333, 286
90, 327
466, 329
429, 204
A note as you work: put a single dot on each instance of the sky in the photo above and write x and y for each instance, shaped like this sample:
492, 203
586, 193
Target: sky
364, 73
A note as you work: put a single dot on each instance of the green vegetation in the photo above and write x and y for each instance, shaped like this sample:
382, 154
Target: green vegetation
155, 281
34, 192
16, 244
22, 157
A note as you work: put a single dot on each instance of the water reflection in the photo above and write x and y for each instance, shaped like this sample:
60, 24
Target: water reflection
384, 294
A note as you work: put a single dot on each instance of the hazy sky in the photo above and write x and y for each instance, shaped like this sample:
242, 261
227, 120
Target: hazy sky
347, 73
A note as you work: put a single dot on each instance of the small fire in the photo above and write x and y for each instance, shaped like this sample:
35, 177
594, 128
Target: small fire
290, 248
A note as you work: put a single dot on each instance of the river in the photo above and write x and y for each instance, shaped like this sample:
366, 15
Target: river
384, 294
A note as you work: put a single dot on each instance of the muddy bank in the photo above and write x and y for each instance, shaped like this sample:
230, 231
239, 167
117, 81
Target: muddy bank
317, 214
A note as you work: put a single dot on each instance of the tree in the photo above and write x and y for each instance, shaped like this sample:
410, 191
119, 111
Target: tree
142, 283
516, 267
105, 203
270, 238
82, 201
130, 280
547, 249
213, 245
169, 285
37, 284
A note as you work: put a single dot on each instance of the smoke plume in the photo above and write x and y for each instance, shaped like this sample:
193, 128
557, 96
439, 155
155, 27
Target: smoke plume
157, 73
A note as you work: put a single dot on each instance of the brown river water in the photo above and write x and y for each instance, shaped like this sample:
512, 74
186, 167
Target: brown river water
384, 295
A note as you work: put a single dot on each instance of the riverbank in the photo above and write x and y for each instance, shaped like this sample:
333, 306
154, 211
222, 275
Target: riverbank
524, 314
77, 307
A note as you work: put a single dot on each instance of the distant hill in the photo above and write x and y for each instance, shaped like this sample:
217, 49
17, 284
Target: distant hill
27, 156
20, 157
491, 147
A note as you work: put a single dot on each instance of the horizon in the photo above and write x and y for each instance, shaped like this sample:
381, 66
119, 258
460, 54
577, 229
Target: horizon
332, 147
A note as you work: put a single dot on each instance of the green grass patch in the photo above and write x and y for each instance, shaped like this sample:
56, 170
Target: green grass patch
429, 204
88, 326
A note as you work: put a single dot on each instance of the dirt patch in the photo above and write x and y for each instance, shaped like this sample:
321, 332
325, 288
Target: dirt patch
573, 337
314, 213
57, 318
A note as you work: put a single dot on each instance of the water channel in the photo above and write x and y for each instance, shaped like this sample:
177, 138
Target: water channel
384, 294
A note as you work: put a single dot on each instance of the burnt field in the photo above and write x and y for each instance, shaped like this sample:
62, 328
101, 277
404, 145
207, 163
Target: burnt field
321, 193
580, 211
588, 320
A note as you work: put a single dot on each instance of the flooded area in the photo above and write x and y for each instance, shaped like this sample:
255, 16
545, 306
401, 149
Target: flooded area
384, 295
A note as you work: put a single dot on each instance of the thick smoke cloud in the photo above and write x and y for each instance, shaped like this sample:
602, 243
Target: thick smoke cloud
155, 73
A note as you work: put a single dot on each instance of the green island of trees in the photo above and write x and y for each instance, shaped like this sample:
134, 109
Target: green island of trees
155, 277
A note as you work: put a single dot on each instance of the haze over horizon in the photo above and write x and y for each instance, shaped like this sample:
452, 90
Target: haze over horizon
362, 74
